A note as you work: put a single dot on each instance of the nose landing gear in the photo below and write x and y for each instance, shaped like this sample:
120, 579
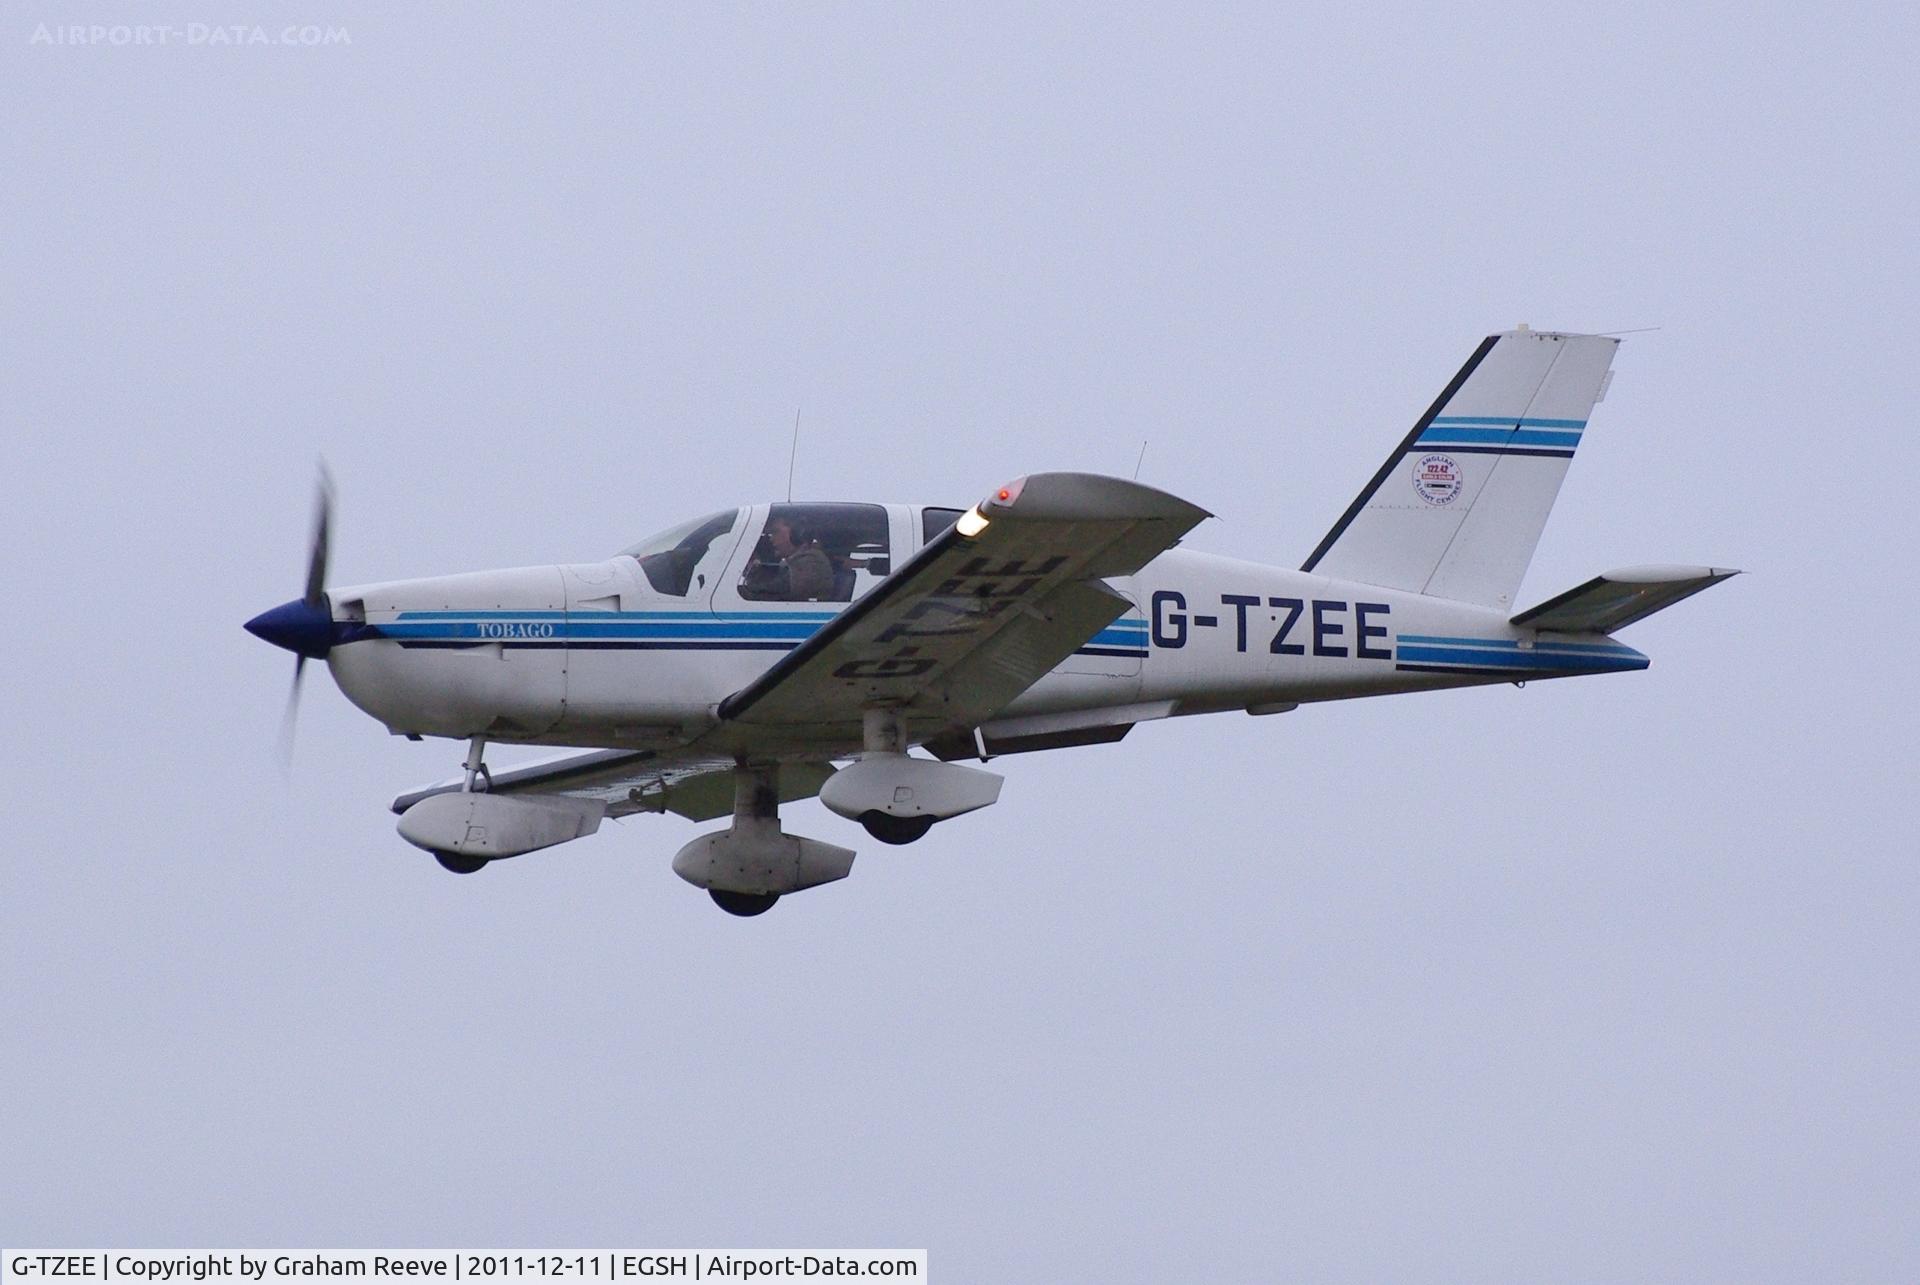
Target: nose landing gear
468, 828
456, 862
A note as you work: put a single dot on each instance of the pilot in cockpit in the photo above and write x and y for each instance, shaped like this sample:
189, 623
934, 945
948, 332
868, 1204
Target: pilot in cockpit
801, 571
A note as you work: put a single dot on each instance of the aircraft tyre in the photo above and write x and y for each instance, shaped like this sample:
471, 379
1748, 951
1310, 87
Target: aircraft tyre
458, 864
895, 830
744, 904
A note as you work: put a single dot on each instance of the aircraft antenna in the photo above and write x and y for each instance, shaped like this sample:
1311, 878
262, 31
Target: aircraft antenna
794, 453
1137, 463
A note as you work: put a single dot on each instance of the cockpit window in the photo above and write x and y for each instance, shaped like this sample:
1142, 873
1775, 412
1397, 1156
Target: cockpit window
934, 521
671, 559
818, 553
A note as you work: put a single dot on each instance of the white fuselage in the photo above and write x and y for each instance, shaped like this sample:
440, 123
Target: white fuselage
592, 654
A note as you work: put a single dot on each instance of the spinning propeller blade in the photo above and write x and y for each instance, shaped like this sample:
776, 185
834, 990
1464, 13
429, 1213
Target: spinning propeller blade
290, 716
317, 553
305, 625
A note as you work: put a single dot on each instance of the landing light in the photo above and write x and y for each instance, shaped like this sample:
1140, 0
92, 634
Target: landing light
971, 523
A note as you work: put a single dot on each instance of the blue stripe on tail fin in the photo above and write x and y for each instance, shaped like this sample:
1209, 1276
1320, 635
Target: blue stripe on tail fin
1457, 509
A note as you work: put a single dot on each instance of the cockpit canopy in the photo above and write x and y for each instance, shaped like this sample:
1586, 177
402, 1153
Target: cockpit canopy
802, 553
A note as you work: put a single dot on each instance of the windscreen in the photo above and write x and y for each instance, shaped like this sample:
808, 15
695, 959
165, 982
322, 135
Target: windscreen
670, 560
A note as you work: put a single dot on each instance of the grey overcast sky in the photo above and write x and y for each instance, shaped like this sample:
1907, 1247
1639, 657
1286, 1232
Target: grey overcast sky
1603, 979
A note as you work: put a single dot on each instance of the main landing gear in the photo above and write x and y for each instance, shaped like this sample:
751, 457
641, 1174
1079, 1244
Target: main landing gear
747, 867
893, 829
898, 798
744, 904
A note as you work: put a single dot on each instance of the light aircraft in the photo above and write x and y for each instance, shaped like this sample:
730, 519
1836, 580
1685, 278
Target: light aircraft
781, 651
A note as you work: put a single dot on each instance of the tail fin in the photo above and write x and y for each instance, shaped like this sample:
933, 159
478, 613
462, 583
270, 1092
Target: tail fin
1457, 509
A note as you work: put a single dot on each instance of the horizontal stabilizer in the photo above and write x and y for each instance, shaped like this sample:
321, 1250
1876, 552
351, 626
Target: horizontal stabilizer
1618, 598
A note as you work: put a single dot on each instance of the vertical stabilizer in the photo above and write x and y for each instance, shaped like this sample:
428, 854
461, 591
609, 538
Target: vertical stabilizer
1457, 509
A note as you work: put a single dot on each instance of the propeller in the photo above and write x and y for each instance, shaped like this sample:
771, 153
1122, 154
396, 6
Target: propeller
305, 625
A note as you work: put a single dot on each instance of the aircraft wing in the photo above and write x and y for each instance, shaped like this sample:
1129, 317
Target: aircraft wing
979, 614
628, 782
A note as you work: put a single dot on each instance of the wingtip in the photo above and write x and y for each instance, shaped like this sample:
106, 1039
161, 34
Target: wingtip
1094, 496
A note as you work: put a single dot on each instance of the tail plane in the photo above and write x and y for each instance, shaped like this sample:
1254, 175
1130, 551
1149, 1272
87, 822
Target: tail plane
1618, 598
1457, 509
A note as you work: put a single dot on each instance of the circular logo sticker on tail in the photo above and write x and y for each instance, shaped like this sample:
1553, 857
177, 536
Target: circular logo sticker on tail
1437, 478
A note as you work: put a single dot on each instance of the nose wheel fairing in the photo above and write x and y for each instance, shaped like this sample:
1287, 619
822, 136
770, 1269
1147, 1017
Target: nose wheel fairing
466, 829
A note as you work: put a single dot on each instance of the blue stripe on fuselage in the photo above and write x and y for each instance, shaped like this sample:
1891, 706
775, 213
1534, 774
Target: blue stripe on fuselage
644, 630
1506, 654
